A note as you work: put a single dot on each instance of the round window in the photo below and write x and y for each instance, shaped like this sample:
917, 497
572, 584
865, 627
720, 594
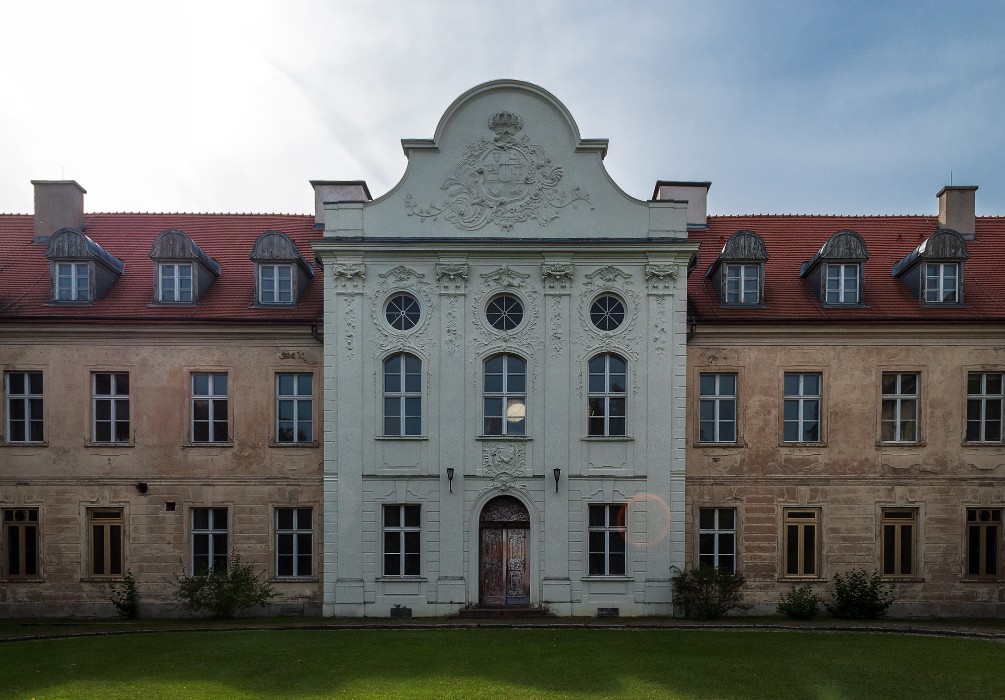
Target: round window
402, 311
607, 312
504, 312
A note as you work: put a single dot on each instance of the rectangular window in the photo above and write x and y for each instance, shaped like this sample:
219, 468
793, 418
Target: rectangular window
294, 542
294, 407
608, 539
20, 543
401, 540
24, 406
900, 528
607, 400
105, 528
717, 408
802, 541
73, 282
985, 406
210, 422
402, 395
275, 284
842, 283
899, 419
743, 283
209, 540
942, 283
984, 542
175, 282
802, 408
717, 538
110, 406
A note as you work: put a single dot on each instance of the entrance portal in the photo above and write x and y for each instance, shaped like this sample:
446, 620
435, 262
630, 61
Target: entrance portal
503, 562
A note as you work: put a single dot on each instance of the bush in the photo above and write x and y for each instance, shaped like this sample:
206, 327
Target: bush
126, 597
706, 593
224, 592
860, 596
799, 604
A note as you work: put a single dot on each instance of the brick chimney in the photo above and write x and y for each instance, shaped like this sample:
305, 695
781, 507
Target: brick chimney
957, 209
337, 191
694, 193
58, 204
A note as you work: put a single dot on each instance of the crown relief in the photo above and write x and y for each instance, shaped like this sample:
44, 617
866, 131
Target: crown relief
505, 276
503, 181
400, 274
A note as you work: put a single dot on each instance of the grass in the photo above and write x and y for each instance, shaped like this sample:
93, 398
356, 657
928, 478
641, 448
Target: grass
502, 663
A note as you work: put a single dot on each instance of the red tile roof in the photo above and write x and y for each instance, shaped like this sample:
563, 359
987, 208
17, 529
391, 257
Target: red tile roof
791, 240
25, 289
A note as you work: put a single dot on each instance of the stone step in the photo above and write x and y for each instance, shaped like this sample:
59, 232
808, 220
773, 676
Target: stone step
505, 612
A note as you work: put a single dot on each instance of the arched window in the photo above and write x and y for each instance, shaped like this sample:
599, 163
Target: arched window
505, 400
608, 395
402, 395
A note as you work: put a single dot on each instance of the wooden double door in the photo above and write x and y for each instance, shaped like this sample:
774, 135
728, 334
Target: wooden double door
504, 553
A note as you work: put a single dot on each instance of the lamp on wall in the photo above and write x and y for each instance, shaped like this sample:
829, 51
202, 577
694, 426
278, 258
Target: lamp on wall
450, 478
558, 473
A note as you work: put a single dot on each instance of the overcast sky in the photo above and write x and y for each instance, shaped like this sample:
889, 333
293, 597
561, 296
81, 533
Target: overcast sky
787, 107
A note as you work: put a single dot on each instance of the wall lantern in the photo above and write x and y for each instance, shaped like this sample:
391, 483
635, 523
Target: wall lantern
450, 478
558, 473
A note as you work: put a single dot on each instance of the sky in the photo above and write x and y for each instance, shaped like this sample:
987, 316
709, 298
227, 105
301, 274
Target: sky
787, 107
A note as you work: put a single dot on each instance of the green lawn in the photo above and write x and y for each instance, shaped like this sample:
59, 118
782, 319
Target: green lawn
502, 664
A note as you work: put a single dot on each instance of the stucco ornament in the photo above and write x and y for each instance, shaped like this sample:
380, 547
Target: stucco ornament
349, 276
504, 464
556, 276
453, 278
402, 279
503, 180
661, 278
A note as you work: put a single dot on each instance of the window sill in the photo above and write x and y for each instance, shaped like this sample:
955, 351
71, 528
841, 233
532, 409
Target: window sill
114, 445
4, 443
33, 579
208, 444
986, 579
999, 445
802, 445
503, 438
888, 445
613, 577
608, 438
173, 304
792, 578
401, 437
902, 579
719, 444
393, 579
103, 579
295, 579
307, 444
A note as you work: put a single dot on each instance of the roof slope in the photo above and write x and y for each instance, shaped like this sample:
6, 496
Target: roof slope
791, 240
228, 238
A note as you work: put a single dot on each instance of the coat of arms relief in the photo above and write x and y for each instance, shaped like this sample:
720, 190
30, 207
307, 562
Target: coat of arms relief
504, 180
505, 465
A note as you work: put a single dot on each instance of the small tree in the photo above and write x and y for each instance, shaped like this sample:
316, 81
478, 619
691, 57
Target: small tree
860, 596
706, 593
799, 604
126, 597
222, 592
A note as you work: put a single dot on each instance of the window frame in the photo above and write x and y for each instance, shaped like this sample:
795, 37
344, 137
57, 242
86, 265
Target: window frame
607, 396
277, 284
897, 400
401, 398
801, 400
29, 401
842, 290
176, 278
604, 312
294, 551
211, 532
296, 398
717, 400
506, 396
401, 533
892, 521
615, 524
502, 307
115, 401
35, 559
213, 400
997, 515
793, 517
983, 397
714, 535
109, 546
77, 292
738, 297
404, 314
939, 291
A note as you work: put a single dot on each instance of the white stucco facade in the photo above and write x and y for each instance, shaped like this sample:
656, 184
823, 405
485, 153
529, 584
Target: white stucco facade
506, 204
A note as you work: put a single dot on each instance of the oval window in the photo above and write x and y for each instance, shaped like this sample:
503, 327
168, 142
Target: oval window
607, 312
504, 312
402, 311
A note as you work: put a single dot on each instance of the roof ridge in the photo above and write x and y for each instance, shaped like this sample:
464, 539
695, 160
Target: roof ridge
193, 213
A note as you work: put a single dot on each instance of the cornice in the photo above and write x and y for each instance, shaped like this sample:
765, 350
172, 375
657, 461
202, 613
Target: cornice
810, 332
47, 332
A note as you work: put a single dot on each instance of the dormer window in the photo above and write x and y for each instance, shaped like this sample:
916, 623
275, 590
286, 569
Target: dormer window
81, 270
183, 273
738, 272
281, 273
933, 271
834, 273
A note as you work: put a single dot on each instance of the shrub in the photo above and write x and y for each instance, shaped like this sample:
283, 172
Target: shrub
860, 596
706, 593
126, 597
799, 604
222, 592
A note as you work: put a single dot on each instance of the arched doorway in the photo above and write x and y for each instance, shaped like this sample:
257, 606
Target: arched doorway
504, 557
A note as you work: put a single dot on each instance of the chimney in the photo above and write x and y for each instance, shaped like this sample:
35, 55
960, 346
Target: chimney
58, 204
694, 193
957, 209
337, 191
